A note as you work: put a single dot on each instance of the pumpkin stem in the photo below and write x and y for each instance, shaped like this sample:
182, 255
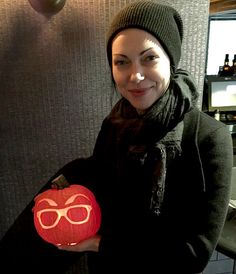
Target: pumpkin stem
60, 182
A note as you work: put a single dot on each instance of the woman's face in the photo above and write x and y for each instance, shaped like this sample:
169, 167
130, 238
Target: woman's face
140, 67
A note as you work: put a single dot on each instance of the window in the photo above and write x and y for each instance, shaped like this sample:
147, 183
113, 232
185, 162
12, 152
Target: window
221, 41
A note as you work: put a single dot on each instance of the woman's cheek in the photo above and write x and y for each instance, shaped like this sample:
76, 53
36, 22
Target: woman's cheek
119, 79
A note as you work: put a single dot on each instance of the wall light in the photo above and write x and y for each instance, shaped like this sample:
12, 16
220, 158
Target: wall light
47, 7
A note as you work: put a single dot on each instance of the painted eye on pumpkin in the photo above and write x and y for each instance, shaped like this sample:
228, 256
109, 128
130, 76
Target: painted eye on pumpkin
79, 214
47, 218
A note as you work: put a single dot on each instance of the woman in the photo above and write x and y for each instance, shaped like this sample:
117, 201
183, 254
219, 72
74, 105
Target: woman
161, 168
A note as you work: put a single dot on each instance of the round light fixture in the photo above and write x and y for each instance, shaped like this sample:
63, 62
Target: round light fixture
47, 7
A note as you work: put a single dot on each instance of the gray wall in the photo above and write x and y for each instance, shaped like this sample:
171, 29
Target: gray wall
55, 88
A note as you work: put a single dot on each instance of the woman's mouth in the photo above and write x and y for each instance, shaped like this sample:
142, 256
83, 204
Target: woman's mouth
139, 91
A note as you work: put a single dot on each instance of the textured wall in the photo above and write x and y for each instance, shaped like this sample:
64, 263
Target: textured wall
55, 88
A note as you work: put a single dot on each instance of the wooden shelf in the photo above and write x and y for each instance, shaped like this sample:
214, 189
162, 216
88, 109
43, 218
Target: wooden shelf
222, 6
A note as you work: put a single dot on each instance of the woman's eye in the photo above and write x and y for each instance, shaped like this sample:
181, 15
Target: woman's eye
120, 62
150, 58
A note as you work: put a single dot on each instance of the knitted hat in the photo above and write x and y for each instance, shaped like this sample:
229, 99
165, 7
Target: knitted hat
162, 21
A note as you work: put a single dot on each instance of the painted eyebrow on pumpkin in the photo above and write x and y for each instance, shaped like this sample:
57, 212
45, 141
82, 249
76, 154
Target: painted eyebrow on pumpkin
49, 201
141, 53
72, 198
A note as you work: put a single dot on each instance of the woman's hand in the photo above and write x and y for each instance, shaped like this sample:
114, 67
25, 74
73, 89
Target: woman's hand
91, 244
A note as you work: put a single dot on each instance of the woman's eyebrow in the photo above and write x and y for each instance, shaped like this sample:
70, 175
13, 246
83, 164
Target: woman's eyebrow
119, 54
142, 52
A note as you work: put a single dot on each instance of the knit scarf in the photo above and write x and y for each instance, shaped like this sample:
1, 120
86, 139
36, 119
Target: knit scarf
158, 132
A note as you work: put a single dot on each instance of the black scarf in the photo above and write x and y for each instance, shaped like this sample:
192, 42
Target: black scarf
158, 131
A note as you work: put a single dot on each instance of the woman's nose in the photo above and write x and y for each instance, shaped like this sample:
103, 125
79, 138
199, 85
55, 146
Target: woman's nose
136, 76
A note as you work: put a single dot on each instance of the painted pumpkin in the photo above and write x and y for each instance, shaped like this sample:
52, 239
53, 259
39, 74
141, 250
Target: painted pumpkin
66, 216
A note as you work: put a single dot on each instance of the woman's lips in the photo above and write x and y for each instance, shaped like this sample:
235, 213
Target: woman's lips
139, 91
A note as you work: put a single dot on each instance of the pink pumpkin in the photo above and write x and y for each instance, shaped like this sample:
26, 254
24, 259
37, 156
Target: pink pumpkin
66, 216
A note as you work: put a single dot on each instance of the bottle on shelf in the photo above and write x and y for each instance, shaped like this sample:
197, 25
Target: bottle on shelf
217, 115
233, 68
220, 71
226, 68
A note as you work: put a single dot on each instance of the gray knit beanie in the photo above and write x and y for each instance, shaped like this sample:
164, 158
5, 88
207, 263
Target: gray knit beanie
162, 21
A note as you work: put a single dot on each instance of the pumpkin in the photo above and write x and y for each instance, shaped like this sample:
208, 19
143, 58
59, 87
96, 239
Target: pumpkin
66, 215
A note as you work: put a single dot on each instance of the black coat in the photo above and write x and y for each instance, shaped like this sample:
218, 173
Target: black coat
195, 204
180, 240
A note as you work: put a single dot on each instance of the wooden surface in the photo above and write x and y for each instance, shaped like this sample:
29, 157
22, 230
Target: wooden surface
219, 6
